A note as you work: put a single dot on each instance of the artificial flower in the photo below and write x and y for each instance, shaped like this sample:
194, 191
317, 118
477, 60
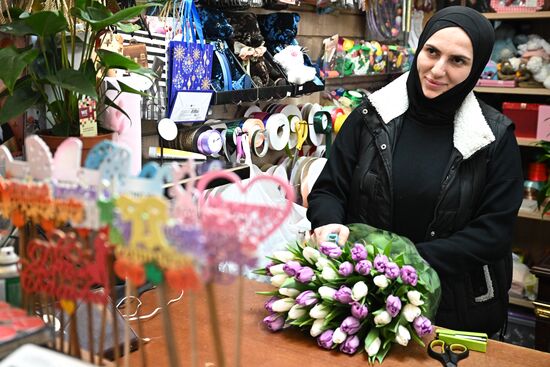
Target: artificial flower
339, 336
307, 298
274, 322
358, 252
291, 268
296, 312
345, 269
326, 292
393, 305
415, 298
283, 305
319, 311
278, 280
359, 291
411, 312
383, 318
381, 281
403, 335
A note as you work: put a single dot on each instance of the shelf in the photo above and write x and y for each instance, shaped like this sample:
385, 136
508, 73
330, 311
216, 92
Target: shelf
518, 16
527, 142
522, 302
533, 215
501, 90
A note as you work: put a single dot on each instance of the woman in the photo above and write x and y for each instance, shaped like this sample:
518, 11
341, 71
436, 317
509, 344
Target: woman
423, 158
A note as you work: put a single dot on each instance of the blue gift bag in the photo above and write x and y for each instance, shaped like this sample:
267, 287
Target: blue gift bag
189, 60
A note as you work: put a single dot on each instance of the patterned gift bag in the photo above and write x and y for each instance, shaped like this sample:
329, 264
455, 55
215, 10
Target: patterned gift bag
189, 60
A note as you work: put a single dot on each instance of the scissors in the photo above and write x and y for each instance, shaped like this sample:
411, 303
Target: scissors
447, 354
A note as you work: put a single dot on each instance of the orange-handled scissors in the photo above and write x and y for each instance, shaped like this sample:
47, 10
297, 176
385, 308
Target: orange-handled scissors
448, 355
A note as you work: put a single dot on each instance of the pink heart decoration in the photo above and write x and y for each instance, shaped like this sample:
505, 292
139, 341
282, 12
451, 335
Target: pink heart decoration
250, 223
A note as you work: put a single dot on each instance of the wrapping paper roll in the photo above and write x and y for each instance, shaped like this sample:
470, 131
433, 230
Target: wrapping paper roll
278, 131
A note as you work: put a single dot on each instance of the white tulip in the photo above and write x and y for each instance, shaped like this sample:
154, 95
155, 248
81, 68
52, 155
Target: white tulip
283, 256
311, 254
296, 312
411, 312
359, 291
373, 348
277, 269
289, 292
383, 318
278, 280
327, 292
322, 263
415, 298
381, 281
317, 328
403, 335
282, 305
319, 311
329, 273
338, 336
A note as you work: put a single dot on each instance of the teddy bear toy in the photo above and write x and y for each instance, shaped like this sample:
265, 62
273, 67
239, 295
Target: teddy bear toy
540, 69
291, 59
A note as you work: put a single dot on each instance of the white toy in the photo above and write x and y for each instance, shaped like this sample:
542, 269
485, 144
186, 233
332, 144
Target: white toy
291, 60
540, 70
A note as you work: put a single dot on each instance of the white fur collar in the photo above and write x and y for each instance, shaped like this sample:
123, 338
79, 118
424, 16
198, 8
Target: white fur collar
471, 132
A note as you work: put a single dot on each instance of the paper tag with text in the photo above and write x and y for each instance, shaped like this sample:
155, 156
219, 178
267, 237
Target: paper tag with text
87, 117
191, 106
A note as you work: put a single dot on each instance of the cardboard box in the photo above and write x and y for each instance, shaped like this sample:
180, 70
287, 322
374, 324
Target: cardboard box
543, 123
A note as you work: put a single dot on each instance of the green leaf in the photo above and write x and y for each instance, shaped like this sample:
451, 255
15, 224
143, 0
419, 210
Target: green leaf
13, 63
74, 81
114, 60
100, 17
42, 24
382, 353
415, 337
127, 89
21, 100
110, 103
128, 28
371, 336
268, 293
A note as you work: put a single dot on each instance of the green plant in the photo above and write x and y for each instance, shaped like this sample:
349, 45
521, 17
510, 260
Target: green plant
64, 64
543, 198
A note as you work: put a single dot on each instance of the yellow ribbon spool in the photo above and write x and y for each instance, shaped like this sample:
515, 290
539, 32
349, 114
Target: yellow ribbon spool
339, 122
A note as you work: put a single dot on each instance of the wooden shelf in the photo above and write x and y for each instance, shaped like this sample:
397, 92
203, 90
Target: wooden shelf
527, 142
518, 16
501, 90
523, 302
533, 215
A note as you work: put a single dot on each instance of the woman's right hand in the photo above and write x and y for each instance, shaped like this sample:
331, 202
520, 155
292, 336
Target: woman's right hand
320, 234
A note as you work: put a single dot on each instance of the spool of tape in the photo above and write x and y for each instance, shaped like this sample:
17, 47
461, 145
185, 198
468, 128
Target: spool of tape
317, 127
188, 139
278, 131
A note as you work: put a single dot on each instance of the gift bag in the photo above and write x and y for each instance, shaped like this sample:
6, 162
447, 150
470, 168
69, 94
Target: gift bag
189, 60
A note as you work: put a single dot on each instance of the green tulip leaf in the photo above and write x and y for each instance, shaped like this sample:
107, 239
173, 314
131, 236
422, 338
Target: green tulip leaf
13, 63
23, 98
74, 81
382, 353
371, 336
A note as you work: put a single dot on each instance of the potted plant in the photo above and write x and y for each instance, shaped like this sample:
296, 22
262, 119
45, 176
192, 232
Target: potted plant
543, 198
64, 64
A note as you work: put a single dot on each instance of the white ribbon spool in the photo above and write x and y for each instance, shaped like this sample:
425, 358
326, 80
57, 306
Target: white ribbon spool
278, 131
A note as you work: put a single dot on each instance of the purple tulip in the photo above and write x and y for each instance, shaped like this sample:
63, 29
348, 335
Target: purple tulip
345, 269
358, 310
291, 268
363, 267
325, 339
350, 325
392, 270
409, 275
358, 252
422, 326
304, 275
350, 345
307, 298
269, 303
343, 295
393, 305
274, 322
380, 262
270, 264
331, 249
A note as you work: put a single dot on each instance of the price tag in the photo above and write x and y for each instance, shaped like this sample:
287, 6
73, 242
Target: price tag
191, 106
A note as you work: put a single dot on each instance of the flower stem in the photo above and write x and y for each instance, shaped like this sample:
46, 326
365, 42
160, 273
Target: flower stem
214, 324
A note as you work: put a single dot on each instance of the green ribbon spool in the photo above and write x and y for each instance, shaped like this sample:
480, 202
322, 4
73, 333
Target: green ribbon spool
319, 129
355, 97
229, 133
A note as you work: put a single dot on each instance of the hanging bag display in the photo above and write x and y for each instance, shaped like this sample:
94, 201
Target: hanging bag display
189, 67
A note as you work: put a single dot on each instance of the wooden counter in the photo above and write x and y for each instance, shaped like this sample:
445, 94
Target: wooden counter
289, 347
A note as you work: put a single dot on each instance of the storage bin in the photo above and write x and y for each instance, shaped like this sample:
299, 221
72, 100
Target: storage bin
525, 117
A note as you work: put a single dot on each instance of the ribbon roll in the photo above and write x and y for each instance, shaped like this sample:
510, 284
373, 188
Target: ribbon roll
231, 133
322, 124
316, 134
251, 110
307, 182
334, 115
339, 122
188, 139
291, 110
260, 116
251, 125
259, 135
278, 131
301, 132
293, 121
209, 142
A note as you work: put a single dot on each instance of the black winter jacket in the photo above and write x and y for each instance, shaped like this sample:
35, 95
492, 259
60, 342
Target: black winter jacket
467, 244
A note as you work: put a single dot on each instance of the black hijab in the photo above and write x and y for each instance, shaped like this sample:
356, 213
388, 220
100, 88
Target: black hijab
441, 109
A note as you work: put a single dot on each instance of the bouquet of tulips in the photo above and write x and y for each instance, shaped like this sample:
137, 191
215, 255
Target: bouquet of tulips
373, 291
